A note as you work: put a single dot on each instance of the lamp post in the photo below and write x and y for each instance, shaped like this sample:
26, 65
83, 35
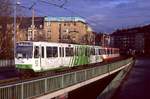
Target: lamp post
15, 6
15, 15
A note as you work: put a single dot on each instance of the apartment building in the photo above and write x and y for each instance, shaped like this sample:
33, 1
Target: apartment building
68, 30
134, 39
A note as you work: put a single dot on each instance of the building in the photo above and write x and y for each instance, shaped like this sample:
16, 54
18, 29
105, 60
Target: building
90, 36
135, 40
25, 30
54, 29
6, 38
102, 39
68, 30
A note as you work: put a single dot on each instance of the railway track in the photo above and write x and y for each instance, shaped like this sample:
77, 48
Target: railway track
13, 79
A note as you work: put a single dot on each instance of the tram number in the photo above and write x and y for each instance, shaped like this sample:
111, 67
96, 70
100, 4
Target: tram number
36, 62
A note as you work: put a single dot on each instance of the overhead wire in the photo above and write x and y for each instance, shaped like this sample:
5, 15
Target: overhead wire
62, 6
73, 12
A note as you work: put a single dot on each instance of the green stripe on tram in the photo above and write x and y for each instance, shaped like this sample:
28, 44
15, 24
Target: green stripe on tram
24, 66
81, 57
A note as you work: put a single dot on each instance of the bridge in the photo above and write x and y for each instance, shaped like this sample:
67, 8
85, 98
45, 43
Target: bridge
61, 85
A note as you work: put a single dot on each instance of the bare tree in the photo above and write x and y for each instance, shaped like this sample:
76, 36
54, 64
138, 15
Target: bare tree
6, 7
5, 29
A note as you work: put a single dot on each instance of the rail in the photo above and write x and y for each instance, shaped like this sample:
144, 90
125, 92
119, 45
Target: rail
31, 89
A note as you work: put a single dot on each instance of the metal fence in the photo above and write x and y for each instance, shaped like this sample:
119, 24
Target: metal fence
7, 63
109, 91
42, 86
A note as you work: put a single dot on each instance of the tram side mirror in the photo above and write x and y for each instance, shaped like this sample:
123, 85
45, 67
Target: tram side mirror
19, 56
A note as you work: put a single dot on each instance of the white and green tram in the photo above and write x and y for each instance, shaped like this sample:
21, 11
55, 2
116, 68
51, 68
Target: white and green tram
43, 56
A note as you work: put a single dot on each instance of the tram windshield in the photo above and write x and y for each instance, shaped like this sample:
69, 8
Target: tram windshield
24, 51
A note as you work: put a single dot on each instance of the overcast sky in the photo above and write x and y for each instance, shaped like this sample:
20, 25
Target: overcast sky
102, 15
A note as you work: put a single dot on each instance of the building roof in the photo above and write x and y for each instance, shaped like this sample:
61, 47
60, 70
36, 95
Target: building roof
133, 31
64, 19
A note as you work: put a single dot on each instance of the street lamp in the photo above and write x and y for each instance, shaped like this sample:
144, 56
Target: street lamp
15, 14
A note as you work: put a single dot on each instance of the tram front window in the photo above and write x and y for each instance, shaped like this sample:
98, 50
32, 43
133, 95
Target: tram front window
36, 52
24, 51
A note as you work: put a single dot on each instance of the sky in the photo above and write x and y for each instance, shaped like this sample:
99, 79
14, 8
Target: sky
101, 15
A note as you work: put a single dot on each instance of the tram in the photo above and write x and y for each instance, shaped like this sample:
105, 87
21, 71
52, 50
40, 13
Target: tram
44, 56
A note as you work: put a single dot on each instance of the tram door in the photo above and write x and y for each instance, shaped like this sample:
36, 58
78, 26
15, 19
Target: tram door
61, 55
42, 58
37, 58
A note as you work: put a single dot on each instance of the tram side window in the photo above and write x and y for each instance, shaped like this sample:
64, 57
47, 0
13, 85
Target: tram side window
108, 51
76, 51
69, 51
93, 51
100, 51
96, 52
61, 51
36, 52
87, 51
42, 52
105, 51
111, 51
51, 52
55, 52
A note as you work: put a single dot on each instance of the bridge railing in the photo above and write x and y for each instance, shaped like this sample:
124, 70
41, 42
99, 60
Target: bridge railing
42, 86
7, 63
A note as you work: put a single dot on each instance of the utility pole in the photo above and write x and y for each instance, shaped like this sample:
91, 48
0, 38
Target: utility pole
32, 8
103, 39
60, 33
32, 23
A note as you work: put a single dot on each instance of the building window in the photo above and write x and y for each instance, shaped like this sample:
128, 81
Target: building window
29, 35
41, 26
49, 31
65, 31
64, 24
